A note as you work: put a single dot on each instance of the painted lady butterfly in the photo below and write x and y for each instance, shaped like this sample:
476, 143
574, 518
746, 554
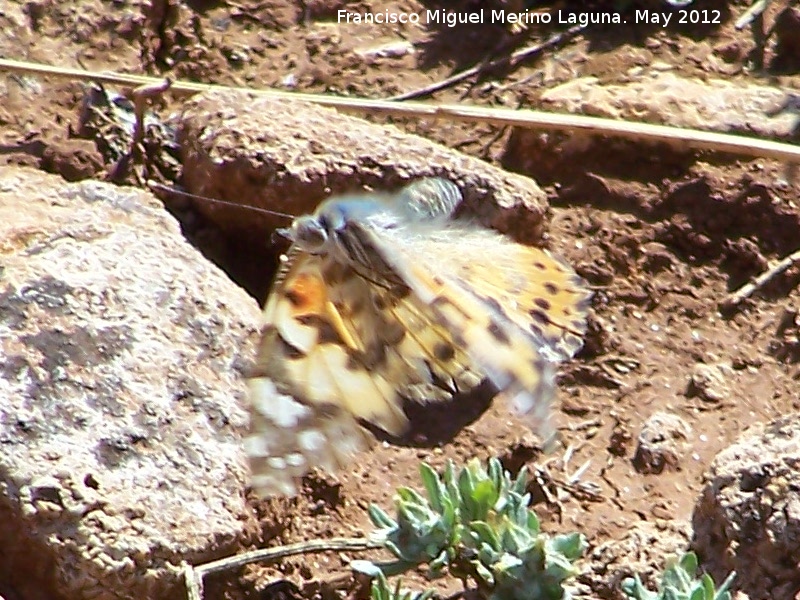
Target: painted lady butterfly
384, 294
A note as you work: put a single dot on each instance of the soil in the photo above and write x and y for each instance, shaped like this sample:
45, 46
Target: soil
662, 239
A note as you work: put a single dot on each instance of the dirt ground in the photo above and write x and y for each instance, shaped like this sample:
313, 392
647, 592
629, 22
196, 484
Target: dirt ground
661, 238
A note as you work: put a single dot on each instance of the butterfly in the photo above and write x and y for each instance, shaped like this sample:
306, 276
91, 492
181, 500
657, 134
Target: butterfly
382, 297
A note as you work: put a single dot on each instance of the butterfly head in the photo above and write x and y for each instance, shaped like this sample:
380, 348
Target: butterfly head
430, 198
309, 233
318, 232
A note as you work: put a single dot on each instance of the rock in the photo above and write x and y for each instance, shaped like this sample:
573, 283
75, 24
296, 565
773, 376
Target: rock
662, 442
121, 351
787, 33
642, 551
73, 159
668, 99
709, 382
747, 518
288, 156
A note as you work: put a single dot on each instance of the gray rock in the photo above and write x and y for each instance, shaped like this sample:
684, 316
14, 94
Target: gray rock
748, 516
121, 351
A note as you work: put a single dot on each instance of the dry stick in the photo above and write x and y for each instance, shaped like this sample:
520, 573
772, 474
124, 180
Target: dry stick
511, 61
194, 575
750, 287
691, 138
140, 97
751, 13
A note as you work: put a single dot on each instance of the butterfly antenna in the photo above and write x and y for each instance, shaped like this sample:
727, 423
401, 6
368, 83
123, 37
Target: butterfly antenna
154, 185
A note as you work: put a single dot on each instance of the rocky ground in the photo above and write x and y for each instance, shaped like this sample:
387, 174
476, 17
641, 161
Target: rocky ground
664, 234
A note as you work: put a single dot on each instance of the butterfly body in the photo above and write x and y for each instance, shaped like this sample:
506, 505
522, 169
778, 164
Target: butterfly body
382, 296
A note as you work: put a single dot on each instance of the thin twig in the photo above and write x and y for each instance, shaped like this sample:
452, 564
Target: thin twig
193, 576
755, 10
141, 96
510, 61
136, 154
747, 290
692, 138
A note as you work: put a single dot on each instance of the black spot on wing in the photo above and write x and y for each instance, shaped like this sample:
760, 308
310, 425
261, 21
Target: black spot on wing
551, 288
326, 332
401, 291
539, 316
374, 356
371, 358
384, 301
391, 333
443, 303
353, 360
542, 303
493, 303
349, 309
444, 351
391, 298
294, 298
498, 333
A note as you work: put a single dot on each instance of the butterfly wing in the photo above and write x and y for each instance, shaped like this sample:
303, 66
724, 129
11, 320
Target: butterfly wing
337, 347
513, 309
536, 290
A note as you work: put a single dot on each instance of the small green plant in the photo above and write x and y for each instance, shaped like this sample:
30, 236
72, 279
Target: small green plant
381, 590
680, 582
476, 524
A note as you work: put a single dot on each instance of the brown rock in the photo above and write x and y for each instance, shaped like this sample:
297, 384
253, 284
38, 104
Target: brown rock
787, 34
120, 386
662, 442
748, 516
668, 99
288, 156
642, 552
709, 382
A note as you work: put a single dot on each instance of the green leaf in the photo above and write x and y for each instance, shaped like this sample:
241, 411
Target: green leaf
708, 588
485, 574
367, 567
433, 486
521, 482
438, 564
571, 545
379, 517
409, 496
533, 523
688, 563
722, 592
633, 587
484, 495
496, 473
486, 534
698, 593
